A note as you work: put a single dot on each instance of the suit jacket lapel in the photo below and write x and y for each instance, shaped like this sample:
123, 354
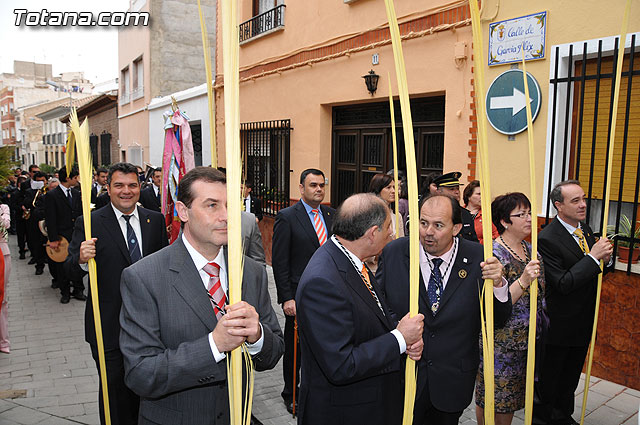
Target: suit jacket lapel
568, 240
328, 219
422, 289
305, 222
113, 228
62, 197
455, 277
188, 283
145, 225
353, 279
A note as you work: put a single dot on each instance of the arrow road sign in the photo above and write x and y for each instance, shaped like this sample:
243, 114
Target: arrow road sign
515, 102
506, 102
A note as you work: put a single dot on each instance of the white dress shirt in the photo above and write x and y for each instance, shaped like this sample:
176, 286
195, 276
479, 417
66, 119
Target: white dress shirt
200, 261
572, 229
401, 342
66, 191
135, 223
247, 203
501, 293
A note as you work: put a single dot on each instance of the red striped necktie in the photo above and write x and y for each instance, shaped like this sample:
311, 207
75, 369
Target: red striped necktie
216, 292
319, 227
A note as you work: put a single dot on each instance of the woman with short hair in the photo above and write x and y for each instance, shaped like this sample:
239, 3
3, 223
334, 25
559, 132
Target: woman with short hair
511, 214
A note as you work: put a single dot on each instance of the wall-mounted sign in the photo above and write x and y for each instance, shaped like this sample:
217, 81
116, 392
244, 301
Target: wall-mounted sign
508, 38
506, 102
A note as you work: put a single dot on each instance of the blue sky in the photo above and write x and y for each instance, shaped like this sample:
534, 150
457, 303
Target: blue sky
93, 50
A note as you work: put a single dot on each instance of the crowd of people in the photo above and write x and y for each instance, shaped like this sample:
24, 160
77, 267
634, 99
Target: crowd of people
342, 280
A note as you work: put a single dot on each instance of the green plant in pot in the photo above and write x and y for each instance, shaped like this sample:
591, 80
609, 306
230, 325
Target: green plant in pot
628, 231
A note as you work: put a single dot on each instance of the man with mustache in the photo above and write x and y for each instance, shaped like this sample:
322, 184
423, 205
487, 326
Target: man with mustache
452, 270
572, 264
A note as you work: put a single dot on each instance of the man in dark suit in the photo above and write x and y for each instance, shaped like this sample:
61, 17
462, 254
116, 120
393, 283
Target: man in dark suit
112, 251
21, 223
449, 184
100, 185
453, 270
352, 345
295, 239
33, 202
571, 266
176, 323
62, 207
150, 195
251, 203
251, 237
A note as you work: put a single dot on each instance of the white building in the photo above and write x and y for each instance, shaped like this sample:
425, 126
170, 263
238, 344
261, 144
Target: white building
194, 103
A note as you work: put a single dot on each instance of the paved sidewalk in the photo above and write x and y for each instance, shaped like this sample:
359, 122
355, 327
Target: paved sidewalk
51, 366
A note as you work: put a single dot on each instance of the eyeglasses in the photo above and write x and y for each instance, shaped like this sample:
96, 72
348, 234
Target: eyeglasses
522, 214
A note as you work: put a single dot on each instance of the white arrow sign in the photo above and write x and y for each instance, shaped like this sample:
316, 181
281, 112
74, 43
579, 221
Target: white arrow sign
517, 102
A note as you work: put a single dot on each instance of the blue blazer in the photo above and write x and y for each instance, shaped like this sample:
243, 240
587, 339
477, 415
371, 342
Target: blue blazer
351, 362
450, 357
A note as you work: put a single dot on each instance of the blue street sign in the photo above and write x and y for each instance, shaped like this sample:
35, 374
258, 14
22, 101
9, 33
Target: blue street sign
505, 103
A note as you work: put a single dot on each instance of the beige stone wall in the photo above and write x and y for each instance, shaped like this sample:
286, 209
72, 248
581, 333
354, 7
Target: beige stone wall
177, 61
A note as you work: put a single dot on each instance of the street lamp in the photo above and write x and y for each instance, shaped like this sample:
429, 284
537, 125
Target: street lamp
371, 80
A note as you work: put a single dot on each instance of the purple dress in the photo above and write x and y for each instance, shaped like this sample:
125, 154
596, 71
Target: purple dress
510, 341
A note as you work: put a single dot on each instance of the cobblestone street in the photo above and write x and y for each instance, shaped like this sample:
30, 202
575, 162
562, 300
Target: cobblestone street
50, 377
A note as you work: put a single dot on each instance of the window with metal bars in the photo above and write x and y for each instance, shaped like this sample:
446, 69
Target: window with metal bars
581, 101
265, 145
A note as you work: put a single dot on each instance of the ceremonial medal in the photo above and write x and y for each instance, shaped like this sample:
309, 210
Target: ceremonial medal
462, 273
434, 307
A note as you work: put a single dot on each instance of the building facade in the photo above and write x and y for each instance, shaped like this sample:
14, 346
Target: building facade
195, 104
304, 101
8, 118
155, 61
101, 113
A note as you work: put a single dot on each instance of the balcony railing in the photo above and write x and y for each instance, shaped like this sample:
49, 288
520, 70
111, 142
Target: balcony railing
263, 23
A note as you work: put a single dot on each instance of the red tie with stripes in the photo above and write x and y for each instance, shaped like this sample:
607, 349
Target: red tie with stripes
319, 227
216, 292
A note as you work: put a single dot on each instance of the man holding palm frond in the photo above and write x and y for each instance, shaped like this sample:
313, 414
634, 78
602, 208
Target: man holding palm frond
176, 322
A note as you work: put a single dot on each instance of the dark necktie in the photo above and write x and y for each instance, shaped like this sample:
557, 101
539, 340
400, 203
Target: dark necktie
132, 241
434, 290
69, 197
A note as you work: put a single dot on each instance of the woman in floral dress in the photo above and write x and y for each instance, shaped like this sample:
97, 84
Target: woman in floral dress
511, 214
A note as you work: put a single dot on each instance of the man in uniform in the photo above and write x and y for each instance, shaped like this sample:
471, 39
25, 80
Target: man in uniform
449, 184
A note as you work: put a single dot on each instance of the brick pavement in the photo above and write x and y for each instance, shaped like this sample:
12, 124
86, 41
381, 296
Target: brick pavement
51, 363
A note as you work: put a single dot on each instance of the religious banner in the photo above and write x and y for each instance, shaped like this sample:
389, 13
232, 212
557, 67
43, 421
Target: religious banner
508, 38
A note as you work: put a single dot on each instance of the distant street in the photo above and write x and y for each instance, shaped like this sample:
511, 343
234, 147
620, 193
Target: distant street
50, 377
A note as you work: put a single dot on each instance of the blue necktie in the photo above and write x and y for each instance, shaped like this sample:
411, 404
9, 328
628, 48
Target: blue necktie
132, 241
434, 291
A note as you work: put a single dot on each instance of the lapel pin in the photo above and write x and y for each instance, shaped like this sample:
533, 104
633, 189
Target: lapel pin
464, 260
148, 221
462, 273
